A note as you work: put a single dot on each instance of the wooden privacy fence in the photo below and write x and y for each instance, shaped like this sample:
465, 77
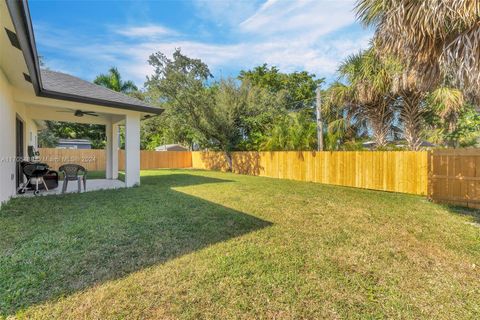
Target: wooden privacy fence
455, 177
91, 159
449, 176
159, 159
95, 160
397, 171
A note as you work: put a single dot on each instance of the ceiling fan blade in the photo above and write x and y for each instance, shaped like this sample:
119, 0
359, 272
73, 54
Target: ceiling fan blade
90, 113
79, 113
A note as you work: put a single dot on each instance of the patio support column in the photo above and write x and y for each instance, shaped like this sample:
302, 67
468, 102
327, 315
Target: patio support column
111, 149
132, 150
115, 144
108, 151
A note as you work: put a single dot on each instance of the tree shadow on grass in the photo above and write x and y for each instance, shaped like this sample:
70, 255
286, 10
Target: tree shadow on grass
55, 245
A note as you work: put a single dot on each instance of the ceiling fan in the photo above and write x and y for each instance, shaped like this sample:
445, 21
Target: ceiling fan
80, 113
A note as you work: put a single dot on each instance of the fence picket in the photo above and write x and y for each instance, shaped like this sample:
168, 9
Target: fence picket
397, 171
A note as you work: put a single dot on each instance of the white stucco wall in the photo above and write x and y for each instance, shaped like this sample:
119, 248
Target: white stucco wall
7, 140
32, 134
132, 150
9, 110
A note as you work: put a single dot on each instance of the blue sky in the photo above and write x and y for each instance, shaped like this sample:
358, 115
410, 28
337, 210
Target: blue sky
85, 38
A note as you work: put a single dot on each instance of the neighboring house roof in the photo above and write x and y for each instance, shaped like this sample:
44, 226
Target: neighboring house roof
48, 83
75, 141
171, 147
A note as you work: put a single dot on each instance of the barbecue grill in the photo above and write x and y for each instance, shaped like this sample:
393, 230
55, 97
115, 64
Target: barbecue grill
34, 171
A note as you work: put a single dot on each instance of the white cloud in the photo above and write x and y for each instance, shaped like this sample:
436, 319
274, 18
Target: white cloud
146, 31
302, 35
291, 55
300, 18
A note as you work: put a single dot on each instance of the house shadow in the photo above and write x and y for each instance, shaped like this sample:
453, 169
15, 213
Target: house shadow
53, 246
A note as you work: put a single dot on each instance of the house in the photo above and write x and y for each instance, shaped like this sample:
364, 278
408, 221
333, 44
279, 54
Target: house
29, 94
171, 147
74, 144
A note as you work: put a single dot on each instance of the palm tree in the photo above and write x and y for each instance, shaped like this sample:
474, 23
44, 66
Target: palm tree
294, 131
447, 103
113, 81
412, 114
368, 90
435, 39
344, 123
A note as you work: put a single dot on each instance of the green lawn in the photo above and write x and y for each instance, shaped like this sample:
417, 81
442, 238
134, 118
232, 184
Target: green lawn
98, 175
195, 244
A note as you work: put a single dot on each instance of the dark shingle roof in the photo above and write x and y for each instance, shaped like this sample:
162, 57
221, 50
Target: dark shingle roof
74, 141
65, 84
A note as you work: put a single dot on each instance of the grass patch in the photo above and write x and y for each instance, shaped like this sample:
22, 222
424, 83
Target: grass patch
97, 175
196, 244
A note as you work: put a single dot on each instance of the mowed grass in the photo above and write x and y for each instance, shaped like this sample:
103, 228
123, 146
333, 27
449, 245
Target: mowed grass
192, 244
97, 175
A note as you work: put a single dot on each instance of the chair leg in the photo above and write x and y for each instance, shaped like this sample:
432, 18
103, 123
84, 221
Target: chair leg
84, 183
79, 180
64, 187
44, 184
26, 185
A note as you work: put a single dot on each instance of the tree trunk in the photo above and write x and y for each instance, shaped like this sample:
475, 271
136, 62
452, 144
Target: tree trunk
380, 138
452, 126
412, 117
380, 116
228, 155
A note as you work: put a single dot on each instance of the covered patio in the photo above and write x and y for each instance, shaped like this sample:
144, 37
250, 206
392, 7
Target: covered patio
38, 109
92, 185
30, 95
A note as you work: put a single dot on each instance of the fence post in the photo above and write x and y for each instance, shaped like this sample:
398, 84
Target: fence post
429, 174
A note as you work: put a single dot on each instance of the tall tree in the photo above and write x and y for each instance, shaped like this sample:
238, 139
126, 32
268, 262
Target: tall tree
294, 131
368, 91
435, 39
263, 110
447, 103
344, 123
213, 112
113, 81
299, 87
412, 115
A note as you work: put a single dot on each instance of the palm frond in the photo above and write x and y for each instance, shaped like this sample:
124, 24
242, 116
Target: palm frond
447, 100
434, 38
128, 86
113, 81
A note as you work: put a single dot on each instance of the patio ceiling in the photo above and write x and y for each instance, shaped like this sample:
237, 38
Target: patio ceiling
67, 114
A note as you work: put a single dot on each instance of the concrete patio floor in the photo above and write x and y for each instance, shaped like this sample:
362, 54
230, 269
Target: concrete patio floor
72, 187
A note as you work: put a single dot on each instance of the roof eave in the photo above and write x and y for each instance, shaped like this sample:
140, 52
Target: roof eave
20, 15
106, 103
